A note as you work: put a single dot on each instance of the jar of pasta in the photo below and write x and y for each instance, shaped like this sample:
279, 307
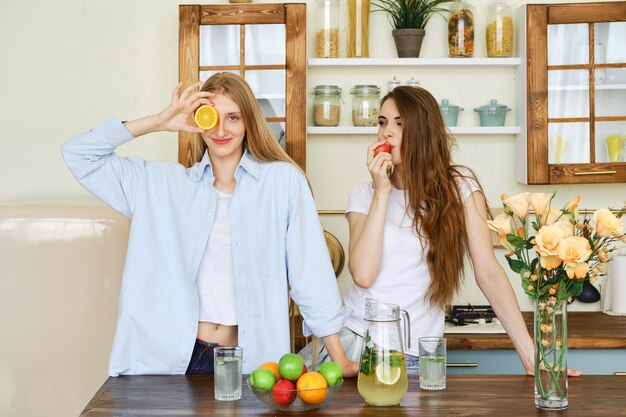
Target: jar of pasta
365, 105
327, 28
326, 105
358, 28
461, 30
499, 32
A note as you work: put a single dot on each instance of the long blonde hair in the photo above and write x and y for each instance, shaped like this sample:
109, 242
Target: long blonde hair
258, 139
433, 193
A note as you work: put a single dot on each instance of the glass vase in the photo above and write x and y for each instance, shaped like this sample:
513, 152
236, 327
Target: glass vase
550, 354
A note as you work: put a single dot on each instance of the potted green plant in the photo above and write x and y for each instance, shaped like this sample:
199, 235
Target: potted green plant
409, 19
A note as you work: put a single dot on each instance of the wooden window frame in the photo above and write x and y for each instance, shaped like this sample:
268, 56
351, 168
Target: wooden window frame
293, 15
539, 16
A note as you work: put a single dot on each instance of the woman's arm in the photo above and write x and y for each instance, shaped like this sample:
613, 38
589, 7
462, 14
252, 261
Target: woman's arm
365, 249
338, 354
494, 282
174, 117
91, 157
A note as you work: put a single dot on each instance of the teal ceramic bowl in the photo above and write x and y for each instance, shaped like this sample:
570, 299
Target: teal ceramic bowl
449, 112
492, 114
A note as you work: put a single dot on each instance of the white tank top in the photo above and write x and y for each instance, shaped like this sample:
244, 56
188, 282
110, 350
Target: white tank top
216, 280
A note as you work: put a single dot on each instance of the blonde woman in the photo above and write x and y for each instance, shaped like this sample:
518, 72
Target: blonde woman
213, 247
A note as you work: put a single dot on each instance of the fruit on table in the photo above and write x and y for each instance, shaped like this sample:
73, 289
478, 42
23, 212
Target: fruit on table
387, 374
385, 147
272, 366
312, 388
290, 366
284, 392
331, 372
262, 378
206, 117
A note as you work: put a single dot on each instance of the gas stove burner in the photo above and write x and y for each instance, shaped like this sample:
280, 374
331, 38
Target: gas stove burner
461, 315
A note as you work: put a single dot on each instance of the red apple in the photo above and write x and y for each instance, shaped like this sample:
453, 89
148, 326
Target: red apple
284, 392
385, 147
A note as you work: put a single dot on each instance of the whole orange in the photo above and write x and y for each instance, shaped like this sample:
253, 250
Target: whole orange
272, 366
312, 388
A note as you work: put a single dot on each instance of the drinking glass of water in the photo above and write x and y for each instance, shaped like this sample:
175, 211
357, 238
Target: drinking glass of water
432, 363
227, 372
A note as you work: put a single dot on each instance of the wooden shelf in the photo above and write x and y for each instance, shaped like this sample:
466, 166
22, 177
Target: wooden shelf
395, 62
457, 130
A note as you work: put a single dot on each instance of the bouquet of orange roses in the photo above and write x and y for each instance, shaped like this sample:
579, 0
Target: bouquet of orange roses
564, 250
554, 251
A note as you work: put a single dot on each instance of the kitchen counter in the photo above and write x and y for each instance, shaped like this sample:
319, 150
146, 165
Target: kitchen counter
585, 330
465, 395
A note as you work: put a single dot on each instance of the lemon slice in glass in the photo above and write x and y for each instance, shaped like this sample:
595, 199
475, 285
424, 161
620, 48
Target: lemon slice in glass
206, 117
388, 374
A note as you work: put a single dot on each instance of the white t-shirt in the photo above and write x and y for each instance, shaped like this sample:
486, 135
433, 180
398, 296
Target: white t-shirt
216, 279
404, 277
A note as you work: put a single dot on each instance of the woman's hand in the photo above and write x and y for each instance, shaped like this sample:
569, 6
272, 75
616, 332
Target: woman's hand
570, 372
379, 167
175, 117
350, 368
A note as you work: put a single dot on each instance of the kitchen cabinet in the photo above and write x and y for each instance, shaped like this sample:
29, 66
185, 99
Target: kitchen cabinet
506, 361
374, 64
263, 43
571, 89
596, 346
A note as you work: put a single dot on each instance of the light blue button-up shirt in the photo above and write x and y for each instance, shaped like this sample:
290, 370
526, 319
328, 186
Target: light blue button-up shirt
276, 240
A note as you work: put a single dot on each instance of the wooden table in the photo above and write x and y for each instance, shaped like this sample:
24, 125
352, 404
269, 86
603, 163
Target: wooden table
465, 395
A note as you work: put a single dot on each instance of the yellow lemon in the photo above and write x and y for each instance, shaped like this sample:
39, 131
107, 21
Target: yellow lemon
388, 374
206, 117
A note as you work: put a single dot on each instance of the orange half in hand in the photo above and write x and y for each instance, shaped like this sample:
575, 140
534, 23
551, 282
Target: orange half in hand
206, 117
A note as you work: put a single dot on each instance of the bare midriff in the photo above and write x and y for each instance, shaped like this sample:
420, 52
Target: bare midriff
217, 333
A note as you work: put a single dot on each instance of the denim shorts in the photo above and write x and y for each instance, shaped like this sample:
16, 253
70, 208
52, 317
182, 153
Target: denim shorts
201, 359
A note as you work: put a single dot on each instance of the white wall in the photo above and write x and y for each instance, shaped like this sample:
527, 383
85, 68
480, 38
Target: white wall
69, 64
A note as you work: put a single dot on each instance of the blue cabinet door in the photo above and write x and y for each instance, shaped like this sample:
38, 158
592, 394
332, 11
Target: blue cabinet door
506, 361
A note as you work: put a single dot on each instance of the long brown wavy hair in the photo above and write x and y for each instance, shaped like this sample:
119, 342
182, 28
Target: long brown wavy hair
433, 194
258, 139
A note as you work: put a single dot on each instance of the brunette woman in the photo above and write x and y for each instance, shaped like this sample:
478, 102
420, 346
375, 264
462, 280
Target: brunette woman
412, 226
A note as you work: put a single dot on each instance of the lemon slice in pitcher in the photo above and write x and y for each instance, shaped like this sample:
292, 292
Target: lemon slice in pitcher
206, 117
388, 374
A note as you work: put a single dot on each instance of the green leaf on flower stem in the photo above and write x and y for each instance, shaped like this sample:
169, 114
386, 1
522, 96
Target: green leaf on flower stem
533, 264
526, 282
592, 244
516, 266
535, 225
563, 292
516, 241
529, 244
575, 286
542, 290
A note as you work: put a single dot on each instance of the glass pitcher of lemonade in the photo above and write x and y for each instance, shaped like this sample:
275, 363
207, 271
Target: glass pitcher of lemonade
382, 375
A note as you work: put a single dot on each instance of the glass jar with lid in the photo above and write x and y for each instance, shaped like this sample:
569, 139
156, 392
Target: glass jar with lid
365, 105
326, 105
358, 28
499, 32
327, 28
393, 83
412, 82
461, 30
